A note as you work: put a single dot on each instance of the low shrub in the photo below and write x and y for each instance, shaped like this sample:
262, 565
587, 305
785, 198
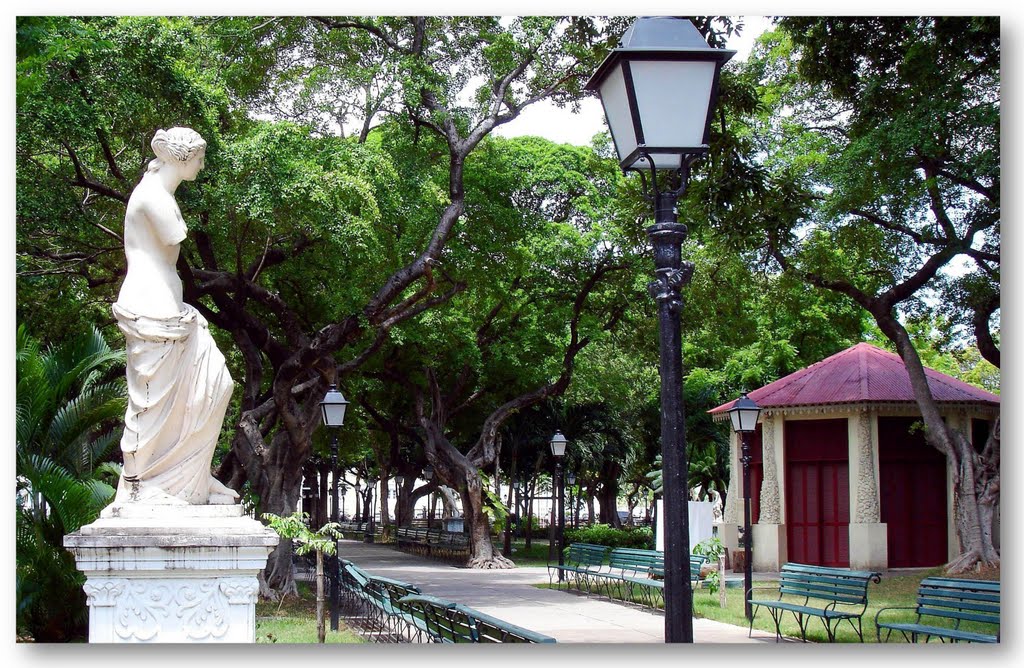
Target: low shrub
603, 534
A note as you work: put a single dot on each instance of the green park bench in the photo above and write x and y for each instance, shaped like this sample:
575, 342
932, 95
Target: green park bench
643, 571
581, 561
830, 594
943, 607
374, 595
413, 539
450, 545
449, 622
435, 543
397, 623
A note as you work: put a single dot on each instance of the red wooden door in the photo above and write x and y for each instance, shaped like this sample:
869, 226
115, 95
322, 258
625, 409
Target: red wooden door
912, 485
818, 492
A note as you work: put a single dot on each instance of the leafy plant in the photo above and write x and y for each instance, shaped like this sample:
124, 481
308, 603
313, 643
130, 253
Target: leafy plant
605, 534
713, 549
67, 419
295, 527
496, 511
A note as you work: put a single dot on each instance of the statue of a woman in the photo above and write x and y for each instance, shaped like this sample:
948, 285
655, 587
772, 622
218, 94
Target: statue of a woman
178, 383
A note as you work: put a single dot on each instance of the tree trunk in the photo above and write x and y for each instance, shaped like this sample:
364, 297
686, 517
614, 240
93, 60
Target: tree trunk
531, 490
481, 549
973, 478
280, 496
367, 501
385, 515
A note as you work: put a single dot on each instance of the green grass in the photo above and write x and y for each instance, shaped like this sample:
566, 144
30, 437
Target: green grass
537, 555
892, 591
293, 621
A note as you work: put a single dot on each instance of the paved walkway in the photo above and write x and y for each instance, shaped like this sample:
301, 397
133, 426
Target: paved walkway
510, 595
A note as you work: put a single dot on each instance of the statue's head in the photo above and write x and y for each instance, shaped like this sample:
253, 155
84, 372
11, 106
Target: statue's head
181, 147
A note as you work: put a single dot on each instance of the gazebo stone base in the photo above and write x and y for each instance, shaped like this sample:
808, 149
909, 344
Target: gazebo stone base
869, 549
769, 546
172, 574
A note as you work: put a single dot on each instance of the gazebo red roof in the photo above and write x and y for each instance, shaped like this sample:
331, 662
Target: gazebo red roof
863, 373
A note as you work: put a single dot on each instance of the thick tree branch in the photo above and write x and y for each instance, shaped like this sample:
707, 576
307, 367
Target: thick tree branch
83, 181
983, 332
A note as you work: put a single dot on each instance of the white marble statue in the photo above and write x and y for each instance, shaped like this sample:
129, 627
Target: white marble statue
716, 509
178, 383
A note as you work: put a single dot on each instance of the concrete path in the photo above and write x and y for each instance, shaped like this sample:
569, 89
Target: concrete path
510, 595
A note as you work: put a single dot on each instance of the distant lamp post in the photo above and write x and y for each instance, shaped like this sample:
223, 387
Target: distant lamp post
399, 480
558, 443
744, 414
333, 409
573, 499
659, 89
344, 493
428, 475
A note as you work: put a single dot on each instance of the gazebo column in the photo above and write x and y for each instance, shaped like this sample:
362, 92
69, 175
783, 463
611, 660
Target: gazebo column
769, 534
732, 515
868, 535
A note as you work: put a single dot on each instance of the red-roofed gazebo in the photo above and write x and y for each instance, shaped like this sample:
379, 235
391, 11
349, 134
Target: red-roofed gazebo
841, 473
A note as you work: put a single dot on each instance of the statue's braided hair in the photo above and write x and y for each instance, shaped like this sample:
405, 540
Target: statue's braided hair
180, 144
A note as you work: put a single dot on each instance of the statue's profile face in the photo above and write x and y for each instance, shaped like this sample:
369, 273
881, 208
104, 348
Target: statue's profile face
193, 166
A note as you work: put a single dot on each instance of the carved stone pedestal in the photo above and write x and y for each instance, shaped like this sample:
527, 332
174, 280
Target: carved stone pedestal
172, 574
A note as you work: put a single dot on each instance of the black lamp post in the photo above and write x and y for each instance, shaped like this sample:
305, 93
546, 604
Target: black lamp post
558, 444
399, 479
744, 414
517, 488
333, 408
659, 89
344, 492
428, 475
573, 499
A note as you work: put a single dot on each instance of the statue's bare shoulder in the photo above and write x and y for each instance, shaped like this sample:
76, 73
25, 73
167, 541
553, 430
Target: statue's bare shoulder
153, 206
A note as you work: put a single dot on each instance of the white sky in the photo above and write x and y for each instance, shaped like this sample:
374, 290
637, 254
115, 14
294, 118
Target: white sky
544, 119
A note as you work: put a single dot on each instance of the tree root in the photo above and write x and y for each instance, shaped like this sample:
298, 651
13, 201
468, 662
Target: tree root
971, 560
496, 561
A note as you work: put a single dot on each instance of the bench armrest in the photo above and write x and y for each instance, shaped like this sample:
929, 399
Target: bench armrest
772, 589
901, 607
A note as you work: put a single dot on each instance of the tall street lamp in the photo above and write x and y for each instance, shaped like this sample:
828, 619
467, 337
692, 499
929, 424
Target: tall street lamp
428, 475
658, 89
573, 498
744, 414
333, 409
558, 444
399, 479
359, 501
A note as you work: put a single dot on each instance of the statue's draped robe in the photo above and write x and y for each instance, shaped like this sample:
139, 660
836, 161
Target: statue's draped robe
178, 392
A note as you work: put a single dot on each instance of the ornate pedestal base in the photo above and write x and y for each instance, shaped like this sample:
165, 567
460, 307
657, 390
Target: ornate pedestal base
172, 574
